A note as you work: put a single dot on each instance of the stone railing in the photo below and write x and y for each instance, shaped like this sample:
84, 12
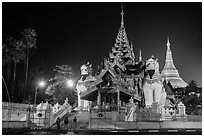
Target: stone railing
60, 111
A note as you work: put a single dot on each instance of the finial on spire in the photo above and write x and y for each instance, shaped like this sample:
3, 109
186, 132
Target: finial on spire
122, 13
140, 56
152, 56
121, 7
168, 43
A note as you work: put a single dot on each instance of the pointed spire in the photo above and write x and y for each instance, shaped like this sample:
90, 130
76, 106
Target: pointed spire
140, 56
168, 51
168, 43
170, 72
152, 56
122, 14
122, 36
122, 48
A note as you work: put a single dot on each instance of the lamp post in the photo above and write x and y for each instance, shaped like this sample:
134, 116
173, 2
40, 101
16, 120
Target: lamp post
39, 84
70, 84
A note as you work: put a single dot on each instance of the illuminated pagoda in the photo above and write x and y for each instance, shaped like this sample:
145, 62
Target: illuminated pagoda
170, 72
118, 80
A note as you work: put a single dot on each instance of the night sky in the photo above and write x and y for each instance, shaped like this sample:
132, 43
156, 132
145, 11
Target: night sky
74, 33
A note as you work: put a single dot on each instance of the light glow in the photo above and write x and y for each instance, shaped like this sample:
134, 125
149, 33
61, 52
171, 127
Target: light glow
41, 83
70, 83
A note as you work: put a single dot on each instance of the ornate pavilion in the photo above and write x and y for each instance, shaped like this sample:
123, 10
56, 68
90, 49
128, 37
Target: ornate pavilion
119, 77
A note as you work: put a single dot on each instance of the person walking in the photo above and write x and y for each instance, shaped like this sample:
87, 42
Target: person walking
75, 123
66, 121
58, 123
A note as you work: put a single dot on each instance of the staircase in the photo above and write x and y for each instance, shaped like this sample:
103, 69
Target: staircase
61, 113
82, 120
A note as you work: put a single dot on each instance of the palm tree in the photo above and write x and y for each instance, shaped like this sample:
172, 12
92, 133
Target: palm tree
29, 43
17, 55
12, 51
5, 59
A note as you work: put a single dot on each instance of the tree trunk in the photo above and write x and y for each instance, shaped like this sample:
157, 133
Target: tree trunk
26, 74
6, 89
8, 74
14, 82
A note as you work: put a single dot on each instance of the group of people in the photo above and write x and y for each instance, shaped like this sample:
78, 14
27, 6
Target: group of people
66, 123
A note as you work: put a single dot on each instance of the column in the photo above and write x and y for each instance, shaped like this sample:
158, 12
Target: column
118, 99
99, 99
153, 95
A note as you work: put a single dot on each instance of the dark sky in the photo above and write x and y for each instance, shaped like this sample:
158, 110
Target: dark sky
74, 33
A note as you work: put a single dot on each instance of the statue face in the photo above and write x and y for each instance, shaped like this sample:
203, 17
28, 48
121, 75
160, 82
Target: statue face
152, 64
84, 70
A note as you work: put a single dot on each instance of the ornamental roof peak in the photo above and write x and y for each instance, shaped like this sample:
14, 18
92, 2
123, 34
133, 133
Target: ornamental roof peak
122, 14
168, 43
140, 55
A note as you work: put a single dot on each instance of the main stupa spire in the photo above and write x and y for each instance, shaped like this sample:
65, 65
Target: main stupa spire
169, 59
169, 71
122, 51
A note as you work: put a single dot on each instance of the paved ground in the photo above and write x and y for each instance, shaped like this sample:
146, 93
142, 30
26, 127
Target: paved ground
143, 132
104, 127
105, 132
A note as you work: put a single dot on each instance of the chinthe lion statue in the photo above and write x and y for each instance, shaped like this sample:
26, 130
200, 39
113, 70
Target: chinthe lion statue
83, 84
153, 84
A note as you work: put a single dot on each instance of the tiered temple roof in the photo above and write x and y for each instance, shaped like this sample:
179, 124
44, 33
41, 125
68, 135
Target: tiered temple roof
122, 51
120, 72
170, 72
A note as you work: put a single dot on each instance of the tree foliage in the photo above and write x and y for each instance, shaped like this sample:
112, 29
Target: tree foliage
15, 50
29, 39
12, 53
29, 42
192, 97
5, 54
58, 88
192, 87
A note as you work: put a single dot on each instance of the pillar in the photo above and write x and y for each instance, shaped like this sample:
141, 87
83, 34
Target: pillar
79, 99
99, 99
28, 116
153, 95
118, 99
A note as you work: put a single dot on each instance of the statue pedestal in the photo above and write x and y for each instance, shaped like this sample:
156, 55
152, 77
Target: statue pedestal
155, 107
149, 114
115, 116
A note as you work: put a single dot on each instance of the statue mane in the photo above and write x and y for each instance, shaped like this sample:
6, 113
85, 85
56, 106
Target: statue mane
152, 64
86, 69
152, 69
